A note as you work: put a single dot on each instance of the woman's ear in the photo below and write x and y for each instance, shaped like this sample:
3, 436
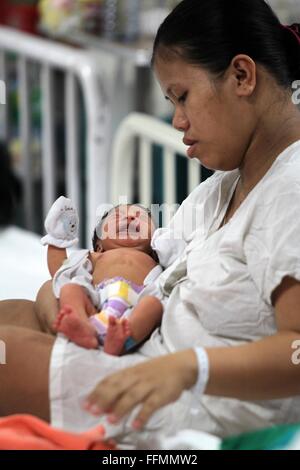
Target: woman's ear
244, 72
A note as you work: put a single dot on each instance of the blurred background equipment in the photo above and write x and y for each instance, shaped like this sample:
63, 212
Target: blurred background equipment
23, 259
20, 14
118, 20
56, 95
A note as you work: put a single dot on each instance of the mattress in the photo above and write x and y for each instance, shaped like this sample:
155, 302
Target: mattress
23, 264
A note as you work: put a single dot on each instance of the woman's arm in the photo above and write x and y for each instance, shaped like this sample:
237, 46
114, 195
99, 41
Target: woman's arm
264, 369
260, 370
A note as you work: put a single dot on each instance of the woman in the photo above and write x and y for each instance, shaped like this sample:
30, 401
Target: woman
227, 67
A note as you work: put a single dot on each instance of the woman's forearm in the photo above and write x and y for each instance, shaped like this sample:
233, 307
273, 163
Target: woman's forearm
254, 371
264, 369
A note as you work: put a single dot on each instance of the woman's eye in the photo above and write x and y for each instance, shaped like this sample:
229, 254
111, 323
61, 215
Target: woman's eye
182, 98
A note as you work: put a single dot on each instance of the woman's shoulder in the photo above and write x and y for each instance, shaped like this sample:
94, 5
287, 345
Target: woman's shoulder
276, 200
287, 163
283, 178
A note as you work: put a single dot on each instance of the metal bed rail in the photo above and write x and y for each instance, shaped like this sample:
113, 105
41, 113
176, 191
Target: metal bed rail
80, 69
148, 131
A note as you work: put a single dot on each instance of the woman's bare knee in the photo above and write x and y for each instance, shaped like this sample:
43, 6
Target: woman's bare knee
25, 371
19, 313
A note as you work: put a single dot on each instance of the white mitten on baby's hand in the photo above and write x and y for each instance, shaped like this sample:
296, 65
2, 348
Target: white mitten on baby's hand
61, 224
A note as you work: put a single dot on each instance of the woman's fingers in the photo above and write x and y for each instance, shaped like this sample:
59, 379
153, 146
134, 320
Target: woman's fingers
106, 394
130, 398
150, 406
128, 401
152, 399
151, 384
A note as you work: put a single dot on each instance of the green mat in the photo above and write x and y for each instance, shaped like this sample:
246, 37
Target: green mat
276, 438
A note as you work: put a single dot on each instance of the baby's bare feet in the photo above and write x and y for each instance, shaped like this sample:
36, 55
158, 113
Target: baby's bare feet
117, 334
78, 330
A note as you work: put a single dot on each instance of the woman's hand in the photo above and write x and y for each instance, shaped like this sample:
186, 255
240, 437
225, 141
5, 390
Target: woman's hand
152, 384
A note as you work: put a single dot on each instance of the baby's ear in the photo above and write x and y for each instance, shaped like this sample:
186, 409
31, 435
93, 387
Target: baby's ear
99, 248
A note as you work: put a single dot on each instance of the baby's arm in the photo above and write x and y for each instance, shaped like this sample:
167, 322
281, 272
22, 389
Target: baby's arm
145, 317
55, 258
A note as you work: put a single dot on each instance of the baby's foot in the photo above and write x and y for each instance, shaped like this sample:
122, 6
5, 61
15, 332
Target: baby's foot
78, 330
117, 334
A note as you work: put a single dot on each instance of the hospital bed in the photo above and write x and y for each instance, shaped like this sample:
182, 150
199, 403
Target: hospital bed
133, 176
73, 82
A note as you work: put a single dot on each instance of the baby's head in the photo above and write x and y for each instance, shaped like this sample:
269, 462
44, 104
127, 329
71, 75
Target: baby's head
124, 226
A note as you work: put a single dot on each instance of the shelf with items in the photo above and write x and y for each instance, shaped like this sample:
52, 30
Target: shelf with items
20, 14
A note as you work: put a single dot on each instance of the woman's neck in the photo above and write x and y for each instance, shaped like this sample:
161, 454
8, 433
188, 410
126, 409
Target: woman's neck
277, 128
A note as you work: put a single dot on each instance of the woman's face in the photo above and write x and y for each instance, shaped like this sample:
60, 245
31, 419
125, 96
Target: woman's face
217, 124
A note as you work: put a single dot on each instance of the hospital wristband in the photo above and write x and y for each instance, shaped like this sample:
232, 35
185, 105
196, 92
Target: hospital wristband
203, 371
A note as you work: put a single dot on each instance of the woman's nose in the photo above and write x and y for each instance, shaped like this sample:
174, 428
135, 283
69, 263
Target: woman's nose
180, 121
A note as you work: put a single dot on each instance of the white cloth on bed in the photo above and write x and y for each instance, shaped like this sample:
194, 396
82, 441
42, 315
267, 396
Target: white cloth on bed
222, 299
23, 263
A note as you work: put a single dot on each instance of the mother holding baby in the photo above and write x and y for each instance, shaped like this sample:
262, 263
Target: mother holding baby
223, 359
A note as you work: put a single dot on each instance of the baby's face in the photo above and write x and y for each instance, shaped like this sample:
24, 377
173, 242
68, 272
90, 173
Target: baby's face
127, 226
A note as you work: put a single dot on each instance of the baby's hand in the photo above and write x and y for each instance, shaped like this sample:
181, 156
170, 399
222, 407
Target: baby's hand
61, 224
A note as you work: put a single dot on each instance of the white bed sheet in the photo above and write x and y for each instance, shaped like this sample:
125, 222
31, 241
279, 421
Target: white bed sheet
23, 264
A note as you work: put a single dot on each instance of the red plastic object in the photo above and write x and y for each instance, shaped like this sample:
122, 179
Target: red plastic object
20, 16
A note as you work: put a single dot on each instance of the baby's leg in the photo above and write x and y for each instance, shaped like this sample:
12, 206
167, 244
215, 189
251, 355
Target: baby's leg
72, 320
118, 332
75, 296
145, 317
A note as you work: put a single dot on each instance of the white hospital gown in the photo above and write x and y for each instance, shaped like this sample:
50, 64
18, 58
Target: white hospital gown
222, 299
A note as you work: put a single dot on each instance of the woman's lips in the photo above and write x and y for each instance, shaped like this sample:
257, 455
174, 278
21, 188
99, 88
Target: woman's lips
191, 151
192, 146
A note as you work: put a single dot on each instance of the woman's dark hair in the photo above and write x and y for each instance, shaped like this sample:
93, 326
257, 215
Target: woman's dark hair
10, 188
210, 33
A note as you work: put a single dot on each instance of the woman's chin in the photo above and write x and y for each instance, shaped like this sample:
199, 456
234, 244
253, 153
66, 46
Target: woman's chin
213, 163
